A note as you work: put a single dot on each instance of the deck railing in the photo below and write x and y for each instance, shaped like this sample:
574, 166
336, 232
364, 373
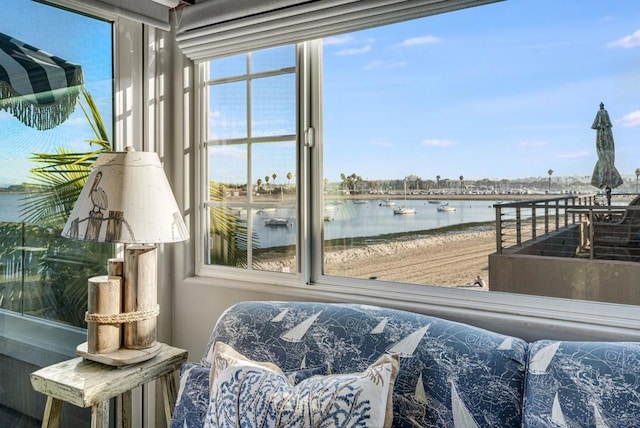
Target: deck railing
610, 232
520, 221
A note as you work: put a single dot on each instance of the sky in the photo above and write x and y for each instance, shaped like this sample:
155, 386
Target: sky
77, 39
500, 91
506, 90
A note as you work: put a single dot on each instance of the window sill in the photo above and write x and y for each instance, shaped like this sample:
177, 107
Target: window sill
37, 341
529, 317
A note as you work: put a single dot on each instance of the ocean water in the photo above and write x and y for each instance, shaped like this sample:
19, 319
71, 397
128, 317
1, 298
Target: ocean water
346, 219
10, 207
350, 220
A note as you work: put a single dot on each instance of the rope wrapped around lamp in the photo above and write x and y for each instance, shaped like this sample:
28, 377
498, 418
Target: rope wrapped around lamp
126, 199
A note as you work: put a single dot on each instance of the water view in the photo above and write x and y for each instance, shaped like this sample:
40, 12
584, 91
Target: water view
10, 207
373, 217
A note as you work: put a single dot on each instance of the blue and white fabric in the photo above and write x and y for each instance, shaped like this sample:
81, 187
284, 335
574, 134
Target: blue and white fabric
583, 384
249, 393
451, 374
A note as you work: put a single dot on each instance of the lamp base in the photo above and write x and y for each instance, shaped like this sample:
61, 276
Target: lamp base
121, 357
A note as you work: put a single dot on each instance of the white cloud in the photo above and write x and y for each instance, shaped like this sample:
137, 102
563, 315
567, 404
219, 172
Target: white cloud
627, 41
355, 51
630, 120
424, 40
435, 142
573, 155
385, 65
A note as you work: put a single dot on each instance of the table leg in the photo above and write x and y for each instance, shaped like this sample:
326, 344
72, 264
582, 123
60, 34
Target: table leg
169, 393
52, 412
124, 410
100, 415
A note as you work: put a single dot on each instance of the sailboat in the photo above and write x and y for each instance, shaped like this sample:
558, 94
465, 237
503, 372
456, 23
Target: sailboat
600, 422
462, 417
420, 394
407, 346
444, 207
378, 329
540, 361
404, 209
280, 316
557, 417
297, 333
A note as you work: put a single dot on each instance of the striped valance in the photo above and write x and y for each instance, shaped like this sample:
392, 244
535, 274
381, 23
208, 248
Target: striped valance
37, 88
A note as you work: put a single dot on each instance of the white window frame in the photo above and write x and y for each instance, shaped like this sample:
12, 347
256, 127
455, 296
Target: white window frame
202, 189
569, 318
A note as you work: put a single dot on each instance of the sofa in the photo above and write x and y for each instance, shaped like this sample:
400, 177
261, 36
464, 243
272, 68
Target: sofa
449, 374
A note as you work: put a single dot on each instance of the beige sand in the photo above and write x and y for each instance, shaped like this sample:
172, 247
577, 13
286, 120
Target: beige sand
452, 259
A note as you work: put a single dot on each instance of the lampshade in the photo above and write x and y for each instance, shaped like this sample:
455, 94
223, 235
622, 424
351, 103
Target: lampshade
126, 199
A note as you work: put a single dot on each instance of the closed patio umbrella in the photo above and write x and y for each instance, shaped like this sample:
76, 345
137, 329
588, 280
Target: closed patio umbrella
37, 88
605, 175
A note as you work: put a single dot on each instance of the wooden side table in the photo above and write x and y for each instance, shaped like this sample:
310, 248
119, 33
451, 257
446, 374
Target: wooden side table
86, 383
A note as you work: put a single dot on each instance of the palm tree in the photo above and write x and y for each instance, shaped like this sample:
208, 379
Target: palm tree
229, 248
637, 175
59, 180
461, 182
550, 172
289, 176
259, 183
437, 181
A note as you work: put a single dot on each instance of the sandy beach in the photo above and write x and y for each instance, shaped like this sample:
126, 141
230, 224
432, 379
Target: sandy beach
451, 259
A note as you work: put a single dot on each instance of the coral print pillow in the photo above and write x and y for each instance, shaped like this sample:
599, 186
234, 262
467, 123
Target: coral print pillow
246, 393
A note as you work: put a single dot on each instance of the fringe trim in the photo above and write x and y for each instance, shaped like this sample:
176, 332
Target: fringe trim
40, 116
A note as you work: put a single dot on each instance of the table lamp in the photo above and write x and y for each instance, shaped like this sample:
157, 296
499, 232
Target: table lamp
126, 199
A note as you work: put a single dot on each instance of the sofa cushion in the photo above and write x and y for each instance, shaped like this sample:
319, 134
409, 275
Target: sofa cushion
193, 396
247, 393
193, 393
582, 384
449, 372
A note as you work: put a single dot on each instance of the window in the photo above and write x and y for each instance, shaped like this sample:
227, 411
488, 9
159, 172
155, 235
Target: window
446, 117
251, 148
43, 274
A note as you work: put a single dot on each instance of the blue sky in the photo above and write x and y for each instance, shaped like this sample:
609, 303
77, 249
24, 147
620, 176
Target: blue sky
500, 91
77, 39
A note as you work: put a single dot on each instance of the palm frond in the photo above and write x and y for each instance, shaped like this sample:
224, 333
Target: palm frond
62, 174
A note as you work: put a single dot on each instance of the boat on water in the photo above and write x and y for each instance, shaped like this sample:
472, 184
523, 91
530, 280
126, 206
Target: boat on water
276, 221
433, 201
387, 203
404, 210
445, 207
359, 201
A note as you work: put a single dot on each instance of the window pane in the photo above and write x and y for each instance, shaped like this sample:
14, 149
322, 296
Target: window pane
274, 165
450, 115
41, 273
228, 111
253, 197
227, 67
274, 103
228, 165
273, 59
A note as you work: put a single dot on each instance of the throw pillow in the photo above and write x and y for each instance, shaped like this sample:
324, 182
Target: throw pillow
247, 393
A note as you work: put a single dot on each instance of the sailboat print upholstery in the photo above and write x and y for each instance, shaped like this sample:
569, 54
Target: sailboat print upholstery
583, 384
469, 376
